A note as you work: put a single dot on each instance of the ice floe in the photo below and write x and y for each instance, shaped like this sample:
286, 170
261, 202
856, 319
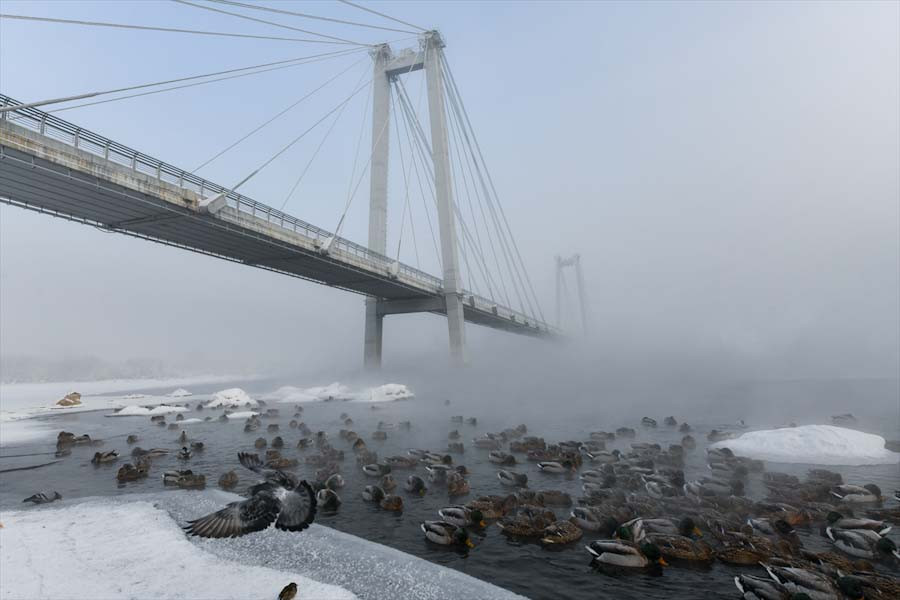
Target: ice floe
813, 445
161, 562
244, 414
388, 392
231, 398
180, 393
143, 411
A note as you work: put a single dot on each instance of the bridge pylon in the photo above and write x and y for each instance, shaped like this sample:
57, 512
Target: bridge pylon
386, 68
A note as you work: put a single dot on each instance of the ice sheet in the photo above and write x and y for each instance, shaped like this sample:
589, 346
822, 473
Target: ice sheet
231, 398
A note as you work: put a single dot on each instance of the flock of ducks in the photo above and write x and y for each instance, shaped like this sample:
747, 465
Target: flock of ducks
636, 504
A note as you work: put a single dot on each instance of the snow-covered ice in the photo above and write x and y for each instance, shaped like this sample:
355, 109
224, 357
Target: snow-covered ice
231, 398
143, 411
813, 445
187, 421
14, 433
126, 550
389, 392
244, 414
334, 391
180, 393
84, 553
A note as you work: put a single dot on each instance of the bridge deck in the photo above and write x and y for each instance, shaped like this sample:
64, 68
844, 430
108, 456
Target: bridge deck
55, 167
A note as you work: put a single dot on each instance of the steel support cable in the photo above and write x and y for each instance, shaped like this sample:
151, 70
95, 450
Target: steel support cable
405, 188
309, 16
375, 12
415, 165
291, 62
509, 258
446, 67
315, 153
298, 138
334, 40
275, 117
164, 29
484, 220
425, 152
472, 283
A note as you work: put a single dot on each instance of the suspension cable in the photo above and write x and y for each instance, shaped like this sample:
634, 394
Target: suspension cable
308, 16
375, 12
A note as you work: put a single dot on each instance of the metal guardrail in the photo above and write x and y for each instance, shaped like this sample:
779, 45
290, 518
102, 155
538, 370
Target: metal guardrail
88, 141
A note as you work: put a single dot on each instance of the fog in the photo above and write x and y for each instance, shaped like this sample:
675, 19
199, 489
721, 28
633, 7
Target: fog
729, 173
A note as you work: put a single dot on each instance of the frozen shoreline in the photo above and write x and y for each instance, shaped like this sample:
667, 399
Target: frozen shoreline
82, 541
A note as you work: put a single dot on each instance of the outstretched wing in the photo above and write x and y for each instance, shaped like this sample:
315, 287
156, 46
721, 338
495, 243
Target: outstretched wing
298, 508
237, 518
250, 461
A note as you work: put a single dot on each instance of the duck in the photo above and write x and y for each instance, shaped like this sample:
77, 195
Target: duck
625, 554
260, 443
753, 586
376, 470
471, 421
456, 447
802, 581
416, 485
553, 498
626, 432
679, 547
705, 487
499, 457
183, 438
281, 462
184, 479
401, 462
527, 523
493, 507
438, 473
838, 521
512, 478
771, 526
272, 427
857, 494
304, 443
328, 499
684, 428
43, 497
688, 442
129, 472
453, 435
591, 518
289, 592
670, 422
391, 503
105, 457
862, 543
373, 493
486, 443
277, 442
561, 532
636, 529
565, 466
388, 483
457, 485
446, 534
648, 422
462, 516
228, 480
184, 453
605, 457
132, 439
379, 435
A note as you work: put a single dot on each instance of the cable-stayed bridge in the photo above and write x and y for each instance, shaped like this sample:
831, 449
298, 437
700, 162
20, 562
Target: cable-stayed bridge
53, 166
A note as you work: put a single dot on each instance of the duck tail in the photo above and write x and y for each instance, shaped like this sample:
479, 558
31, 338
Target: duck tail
770, 572
885, 531
738, 584
829, 533
593, 552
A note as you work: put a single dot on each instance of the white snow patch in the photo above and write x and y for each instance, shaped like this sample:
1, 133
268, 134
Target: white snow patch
813, 445
244, 414
13, 433
231, 398
180, 393
334, 391
133, 396
389, 392
143, 411
80, 552
186, 421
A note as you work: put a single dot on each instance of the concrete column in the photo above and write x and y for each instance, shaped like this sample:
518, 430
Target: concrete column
381, 103
441, 156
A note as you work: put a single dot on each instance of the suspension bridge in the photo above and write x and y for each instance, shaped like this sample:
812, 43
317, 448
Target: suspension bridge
53, 166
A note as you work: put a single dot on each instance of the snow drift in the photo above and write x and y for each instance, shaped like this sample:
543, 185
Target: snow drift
388, 392
813, 445
231, 398
143, 411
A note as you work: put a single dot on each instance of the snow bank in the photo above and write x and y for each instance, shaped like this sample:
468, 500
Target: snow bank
334, 391
813, 445
231, 398
244, 414
143, 411
388, 392
14, 433
180, 393
81, 552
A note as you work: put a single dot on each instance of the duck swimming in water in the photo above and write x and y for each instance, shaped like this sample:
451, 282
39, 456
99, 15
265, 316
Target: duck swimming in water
280, 499
328, 499
392, 503
625, 554
857, 494
512, 478
105, 457
43, 498
184, 453
565, 466
862, 543
184, 479
373, 493
462, 516
592, 518
228, 480
446, 534
416, 485
561, 532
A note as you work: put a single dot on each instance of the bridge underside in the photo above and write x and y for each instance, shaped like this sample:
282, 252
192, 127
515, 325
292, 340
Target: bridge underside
43, 179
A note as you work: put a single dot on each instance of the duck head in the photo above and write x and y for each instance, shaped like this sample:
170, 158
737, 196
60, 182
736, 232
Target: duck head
651, 551
461, 536
687, 527
477, 518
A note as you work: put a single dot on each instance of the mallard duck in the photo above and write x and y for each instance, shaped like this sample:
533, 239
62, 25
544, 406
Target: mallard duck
802, 581
679, 547
561, 532
105, 457
392, 503
688, 442
401, 462
132, 439
862, 543
753, 587
43, 498
328, 499
493, 507
293, 424
277, 442
838, 521
376, 470
553, 498
129, 472
438, 473
499, 457
453, 435
183, 438
592, 518
228, 480
512, 478
625, 432
457, 485
771, 526
857, 494
462, 516
636, 529
260, 443
272, 427
706, 487
446, 534
670, 422
625, 554
648, 422
416, 485
184, 453
527, 523
486, 443
373, 493
565, 466
304, 443
184, 479
282, 463
289, 592
456, 447
388, 483
197, 446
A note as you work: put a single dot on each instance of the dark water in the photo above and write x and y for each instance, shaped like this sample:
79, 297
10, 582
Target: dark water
522, 567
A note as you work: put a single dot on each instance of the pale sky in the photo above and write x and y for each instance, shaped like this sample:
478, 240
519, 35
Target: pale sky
729, 172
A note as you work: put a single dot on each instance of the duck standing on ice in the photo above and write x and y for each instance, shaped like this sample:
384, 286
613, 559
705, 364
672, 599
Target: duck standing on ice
281, 498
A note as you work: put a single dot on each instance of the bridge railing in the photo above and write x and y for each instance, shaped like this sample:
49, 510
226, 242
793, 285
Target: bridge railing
98, 145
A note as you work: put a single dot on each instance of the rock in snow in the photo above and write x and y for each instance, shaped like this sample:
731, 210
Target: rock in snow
813, 445
231, 398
